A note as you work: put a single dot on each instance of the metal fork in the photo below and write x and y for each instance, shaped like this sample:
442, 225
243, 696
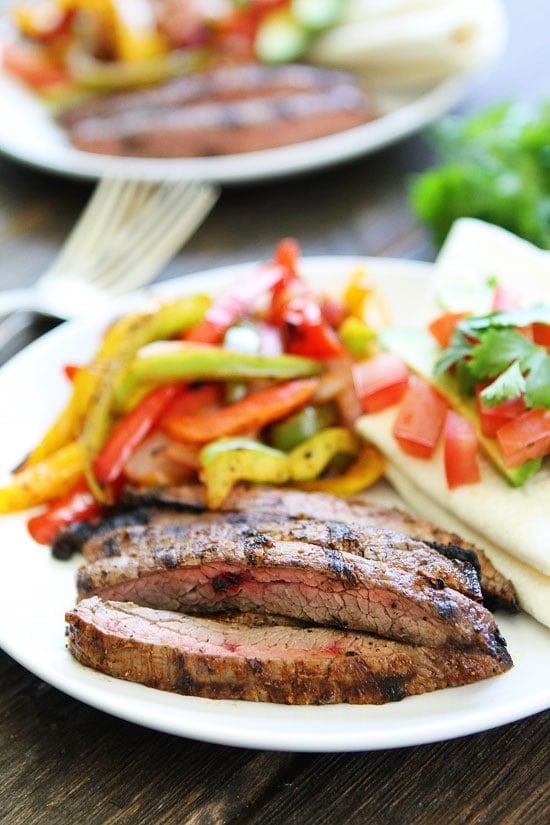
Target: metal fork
126, 234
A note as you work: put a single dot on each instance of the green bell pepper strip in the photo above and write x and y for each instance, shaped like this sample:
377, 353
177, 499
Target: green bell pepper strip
229, 460
187, 361
357, 337
292, 431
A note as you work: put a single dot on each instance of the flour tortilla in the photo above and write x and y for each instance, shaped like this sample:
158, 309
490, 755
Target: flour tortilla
413, 43
513, 525
516, 520
533, 587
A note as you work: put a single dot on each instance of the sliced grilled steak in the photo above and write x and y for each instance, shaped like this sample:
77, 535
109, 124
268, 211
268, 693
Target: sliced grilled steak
256, 573
361, 540
202, 657
498, 591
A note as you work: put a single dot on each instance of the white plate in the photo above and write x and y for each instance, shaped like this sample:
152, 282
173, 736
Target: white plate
35, 590
29, 134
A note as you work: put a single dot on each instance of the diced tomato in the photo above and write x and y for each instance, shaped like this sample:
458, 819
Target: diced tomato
524, 438
541, 334
420, 419
505, 299
130, 432
460, 451
493, 418
443, 327
77, 505
380, 381
31, 65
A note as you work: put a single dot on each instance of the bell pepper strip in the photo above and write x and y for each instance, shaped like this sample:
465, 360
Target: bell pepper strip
190, 400
287, 255
346, 397
420, 419
120, 343
525, 438
185, 361
460, 446
364, 301
77, 505
365, 471
52, 477
233, 305
309, 459
31, 64
305, 332
130, 432
292, 431
230, 460
253, 412
357, 337
380, 381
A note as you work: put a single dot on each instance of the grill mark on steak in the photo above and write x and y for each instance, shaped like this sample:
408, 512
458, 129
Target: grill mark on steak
293, 579
358, 539
497, 589
290, 665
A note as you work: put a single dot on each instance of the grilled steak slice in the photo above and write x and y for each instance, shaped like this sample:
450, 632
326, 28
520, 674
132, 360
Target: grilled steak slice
256, 573
73, 538
498, 591
290, 665
361, 540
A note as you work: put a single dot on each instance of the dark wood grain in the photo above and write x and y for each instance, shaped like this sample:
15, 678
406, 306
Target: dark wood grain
64, 763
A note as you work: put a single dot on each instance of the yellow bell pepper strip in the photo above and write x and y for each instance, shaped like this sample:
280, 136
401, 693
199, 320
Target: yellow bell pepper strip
51, 478
365, 471
309, 459
227, 461
185, 361
119, 346
252, 412
291, 431
364, 301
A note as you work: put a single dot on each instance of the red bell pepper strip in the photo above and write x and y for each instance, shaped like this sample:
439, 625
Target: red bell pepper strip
109, 464
77, 505
253, 412
460, 451
230, 307
192, 400
33, 66
306, 332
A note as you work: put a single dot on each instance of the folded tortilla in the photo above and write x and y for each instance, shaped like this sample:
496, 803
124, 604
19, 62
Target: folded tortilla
514, 519
532, 586
403, 43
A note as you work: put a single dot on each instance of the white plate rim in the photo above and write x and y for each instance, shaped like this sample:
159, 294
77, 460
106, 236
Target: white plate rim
417, 720
28, 135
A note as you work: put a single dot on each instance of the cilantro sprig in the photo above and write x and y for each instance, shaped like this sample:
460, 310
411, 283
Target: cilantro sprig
490, 347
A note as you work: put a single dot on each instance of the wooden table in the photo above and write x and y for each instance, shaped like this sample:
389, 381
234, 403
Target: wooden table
62, 762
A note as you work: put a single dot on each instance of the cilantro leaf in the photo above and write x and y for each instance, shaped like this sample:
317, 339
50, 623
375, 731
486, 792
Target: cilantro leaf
537, 391
509, 384
497, 349
460, 348
500, 320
